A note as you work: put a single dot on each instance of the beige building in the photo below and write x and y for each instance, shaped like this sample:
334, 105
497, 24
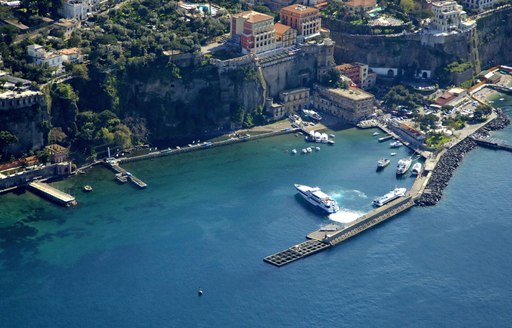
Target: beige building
294, 99
285, 35
448, 16
352, 105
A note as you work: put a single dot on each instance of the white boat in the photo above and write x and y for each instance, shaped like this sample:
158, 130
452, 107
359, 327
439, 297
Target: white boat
294, 151
318, 198
416, 169
332, 135
317, 148
375, 134
309, 150
393, 154
304, 151
403, 165
390, 196
396, 144
311, 113
382, 163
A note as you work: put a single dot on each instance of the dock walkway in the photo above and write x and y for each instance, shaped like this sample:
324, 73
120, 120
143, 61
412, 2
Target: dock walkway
122, 175
52, 193
492, 143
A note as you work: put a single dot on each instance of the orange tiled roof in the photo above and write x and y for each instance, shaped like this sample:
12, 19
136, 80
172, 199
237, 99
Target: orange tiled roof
254, 16
70, 51
300, 9
281, 28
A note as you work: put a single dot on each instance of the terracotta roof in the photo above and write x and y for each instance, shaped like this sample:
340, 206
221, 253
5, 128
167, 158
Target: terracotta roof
70, 51
281, 28
254, 16
300, 9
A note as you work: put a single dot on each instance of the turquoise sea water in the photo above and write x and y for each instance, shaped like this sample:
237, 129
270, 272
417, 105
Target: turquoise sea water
136, 258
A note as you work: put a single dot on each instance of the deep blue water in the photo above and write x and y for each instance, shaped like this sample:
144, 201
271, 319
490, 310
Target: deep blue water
136, 258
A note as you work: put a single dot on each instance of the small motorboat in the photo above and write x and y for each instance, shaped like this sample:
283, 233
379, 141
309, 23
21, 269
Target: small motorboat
332, 135
375, 134
382, 163
317, 148
395, 144
309, 149
304, 151
393, 154
294, 151
87, 188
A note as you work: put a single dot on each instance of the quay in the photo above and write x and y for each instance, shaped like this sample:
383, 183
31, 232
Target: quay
492, 143
51, 193
123, 176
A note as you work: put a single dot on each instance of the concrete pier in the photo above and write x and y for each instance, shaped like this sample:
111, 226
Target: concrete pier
52, 193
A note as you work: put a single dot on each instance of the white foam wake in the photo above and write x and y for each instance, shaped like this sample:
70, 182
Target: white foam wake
345, 216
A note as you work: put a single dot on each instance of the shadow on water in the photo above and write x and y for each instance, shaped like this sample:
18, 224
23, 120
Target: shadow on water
309, 207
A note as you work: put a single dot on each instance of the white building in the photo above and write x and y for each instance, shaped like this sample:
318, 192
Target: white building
478, 5
448, 16
78, 9
55, 59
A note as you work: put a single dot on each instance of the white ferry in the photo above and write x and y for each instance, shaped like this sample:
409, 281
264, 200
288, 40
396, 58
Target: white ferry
390, 196
403, 165
318, 198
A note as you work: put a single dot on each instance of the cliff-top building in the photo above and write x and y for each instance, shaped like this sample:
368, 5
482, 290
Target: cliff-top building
256, 31
78, 9
306, 20
448, 16
478, 5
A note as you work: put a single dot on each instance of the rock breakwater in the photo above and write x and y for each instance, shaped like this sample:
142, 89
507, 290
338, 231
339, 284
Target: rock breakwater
451, 159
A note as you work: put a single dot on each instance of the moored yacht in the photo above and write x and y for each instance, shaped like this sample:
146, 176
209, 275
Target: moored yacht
311, 113
416, 169
390, 196
318, 198
403, 165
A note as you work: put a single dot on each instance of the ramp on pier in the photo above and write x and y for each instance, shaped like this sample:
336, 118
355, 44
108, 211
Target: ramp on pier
296, 252
52, 193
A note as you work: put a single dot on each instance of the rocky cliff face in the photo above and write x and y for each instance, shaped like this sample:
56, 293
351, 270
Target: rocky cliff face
28, 125
411, 51
495, 39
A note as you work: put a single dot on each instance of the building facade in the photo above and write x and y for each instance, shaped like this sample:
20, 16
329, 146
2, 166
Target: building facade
277, 4
306, 20
359, 74
285, 35
78, 9
351, 105
479, 5
295, 99
256, 31
448, 16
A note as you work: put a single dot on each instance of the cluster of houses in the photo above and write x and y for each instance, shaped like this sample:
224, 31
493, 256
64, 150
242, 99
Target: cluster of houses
39, 55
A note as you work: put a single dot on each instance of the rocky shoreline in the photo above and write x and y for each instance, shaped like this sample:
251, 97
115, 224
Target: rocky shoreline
451, 160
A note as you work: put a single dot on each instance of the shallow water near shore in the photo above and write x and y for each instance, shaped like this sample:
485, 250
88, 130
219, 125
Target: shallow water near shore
136, 258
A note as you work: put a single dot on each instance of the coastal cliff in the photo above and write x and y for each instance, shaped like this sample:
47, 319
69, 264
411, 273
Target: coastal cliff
488, 46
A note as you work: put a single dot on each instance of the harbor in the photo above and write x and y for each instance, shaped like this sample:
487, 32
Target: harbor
421, 192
